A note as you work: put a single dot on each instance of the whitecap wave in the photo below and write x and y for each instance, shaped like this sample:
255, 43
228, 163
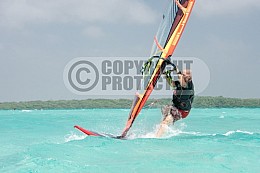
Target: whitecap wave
25, 110
229, 133
246, 132
238, 131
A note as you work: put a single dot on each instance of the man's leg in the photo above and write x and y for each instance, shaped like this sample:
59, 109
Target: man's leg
170, 115
167, 120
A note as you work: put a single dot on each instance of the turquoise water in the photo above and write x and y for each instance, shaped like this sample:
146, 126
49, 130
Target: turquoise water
209, 140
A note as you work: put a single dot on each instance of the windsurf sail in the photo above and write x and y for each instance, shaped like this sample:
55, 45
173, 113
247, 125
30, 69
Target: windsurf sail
169, 33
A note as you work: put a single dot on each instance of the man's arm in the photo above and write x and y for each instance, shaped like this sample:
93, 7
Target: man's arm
168, 78
167, 73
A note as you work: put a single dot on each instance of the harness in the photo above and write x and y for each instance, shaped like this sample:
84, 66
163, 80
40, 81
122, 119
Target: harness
183, 97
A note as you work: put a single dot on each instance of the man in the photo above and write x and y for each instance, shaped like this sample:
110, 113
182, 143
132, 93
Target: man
183, 95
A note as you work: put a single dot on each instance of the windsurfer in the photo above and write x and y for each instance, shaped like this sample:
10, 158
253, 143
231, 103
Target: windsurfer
183, 95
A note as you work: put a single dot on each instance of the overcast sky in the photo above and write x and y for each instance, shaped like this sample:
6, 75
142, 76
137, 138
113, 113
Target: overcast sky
38, 38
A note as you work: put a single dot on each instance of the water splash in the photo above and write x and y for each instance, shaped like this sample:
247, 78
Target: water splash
74, 137
170, 131
178, 130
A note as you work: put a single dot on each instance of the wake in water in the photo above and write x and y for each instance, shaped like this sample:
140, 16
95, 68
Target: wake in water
170, 131
179, 130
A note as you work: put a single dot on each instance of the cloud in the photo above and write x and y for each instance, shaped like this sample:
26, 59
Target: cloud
225, 7
94, 32
17, 13
1, 47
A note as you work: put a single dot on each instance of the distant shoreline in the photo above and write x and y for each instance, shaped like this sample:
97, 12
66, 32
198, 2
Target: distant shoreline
199, 102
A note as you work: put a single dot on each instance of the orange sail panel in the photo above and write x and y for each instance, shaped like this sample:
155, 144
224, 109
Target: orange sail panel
166, 40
